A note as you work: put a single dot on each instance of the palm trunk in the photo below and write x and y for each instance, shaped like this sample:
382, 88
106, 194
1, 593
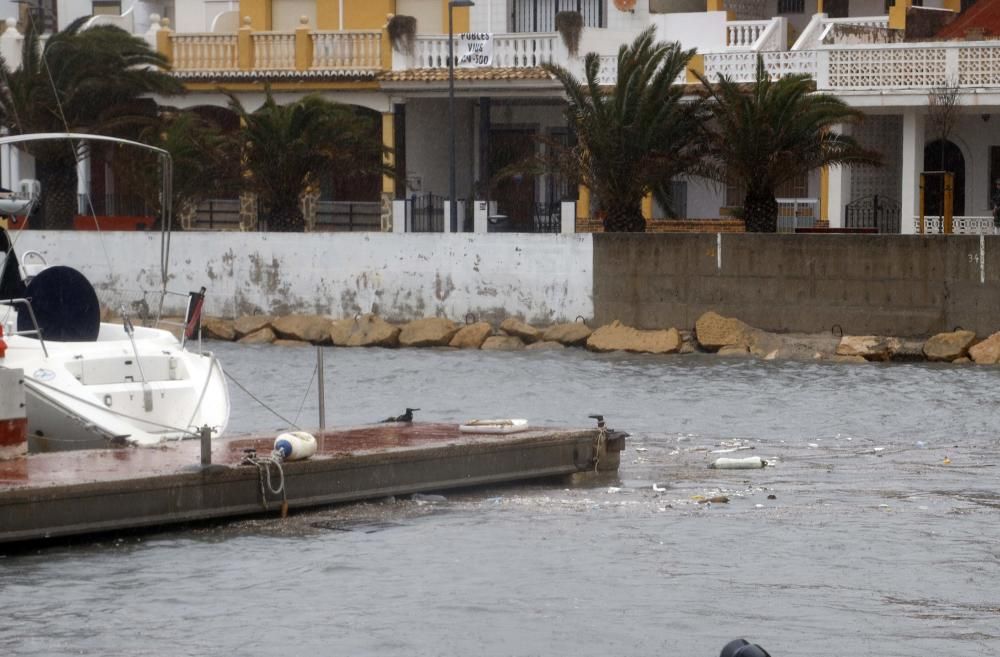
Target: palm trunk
58, 180
625, 218
760, 211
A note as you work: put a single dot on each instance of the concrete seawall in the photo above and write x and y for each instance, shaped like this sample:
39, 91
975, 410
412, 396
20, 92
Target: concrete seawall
543, 278
890, 284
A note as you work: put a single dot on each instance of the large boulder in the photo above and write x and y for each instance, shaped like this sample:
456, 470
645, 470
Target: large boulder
261, 336
715, 331
946, 347
340, 331
248, 324
618, 337
986, 352
502, 343
472, 336
308, 328
428, 332
517, 328
869, 347
216, 328
366, 331
569, 334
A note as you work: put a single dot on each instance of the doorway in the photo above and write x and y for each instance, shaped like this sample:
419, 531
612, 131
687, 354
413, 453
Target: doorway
944, 156
514, 194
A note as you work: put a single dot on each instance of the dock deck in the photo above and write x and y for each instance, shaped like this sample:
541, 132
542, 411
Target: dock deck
50, 495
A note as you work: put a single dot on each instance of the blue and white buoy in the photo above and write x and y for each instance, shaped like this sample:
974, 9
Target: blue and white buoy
295, 445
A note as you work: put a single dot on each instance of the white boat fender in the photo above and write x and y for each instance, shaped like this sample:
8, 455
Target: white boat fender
295, 445
749, 463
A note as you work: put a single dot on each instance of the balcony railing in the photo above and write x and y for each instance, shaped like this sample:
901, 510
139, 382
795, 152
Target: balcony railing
299, 50
509, 51
205, 52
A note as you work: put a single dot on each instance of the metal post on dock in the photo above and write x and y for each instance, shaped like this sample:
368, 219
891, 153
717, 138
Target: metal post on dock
321, 388
206, 445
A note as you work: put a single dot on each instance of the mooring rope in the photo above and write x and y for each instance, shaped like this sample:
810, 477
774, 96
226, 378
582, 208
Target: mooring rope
264, 465
262, 403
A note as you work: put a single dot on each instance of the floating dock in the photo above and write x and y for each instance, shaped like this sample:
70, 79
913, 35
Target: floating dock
45, 496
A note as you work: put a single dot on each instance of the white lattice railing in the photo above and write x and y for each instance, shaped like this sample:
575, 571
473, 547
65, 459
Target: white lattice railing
913, 66
204, 52
742, 66
509, 51
347, 50
273, 51
959, 225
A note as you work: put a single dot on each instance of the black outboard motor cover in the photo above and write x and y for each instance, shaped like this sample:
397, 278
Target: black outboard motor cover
11, 285
65, 306
743, 648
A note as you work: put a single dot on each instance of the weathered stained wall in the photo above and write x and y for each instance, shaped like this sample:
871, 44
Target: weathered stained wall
542, 278
890, 284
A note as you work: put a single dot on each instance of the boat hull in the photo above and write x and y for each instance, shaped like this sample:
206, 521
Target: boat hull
114, 391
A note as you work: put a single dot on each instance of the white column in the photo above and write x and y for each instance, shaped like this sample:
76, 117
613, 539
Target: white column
83, 175
448, 205
480, 217
913, 164
399, 216
5, 157
838, 188
567, 216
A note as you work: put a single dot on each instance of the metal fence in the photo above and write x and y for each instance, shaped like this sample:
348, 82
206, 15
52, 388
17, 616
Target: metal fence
794, 213
331, 216
540, 15
873, 212
344, 216
107, 205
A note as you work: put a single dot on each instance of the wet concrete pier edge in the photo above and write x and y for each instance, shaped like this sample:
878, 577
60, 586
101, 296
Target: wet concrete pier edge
183, 491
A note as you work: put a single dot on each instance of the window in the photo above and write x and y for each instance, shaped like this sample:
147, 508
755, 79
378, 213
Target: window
107, 8
791, 6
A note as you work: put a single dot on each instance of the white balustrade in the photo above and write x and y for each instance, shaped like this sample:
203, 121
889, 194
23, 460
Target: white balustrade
347, 50
509, 51
743, 34
273, 51
204, 52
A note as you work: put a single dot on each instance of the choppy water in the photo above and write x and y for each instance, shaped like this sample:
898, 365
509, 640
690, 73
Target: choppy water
882, 537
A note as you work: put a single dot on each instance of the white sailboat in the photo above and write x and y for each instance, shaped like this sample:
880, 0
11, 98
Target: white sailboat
90, 383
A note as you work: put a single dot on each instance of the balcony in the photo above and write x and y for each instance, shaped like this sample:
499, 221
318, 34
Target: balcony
302, 53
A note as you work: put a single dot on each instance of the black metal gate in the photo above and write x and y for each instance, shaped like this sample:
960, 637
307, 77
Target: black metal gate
873, 212
540, 15
425, 214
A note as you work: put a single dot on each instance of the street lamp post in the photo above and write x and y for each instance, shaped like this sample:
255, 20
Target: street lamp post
452, 203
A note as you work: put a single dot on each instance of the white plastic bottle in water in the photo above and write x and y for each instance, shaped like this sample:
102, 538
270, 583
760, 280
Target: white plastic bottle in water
748, 463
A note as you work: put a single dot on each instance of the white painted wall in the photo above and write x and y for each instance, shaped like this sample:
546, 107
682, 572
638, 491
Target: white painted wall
705, 31
190, 16
541, 278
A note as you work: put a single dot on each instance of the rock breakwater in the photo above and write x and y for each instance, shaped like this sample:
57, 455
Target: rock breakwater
712, 333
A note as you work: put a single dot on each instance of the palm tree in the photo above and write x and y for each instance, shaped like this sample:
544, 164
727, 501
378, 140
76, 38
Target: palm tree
287, 148
631, 140
205, 164
771, 131
82, 81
